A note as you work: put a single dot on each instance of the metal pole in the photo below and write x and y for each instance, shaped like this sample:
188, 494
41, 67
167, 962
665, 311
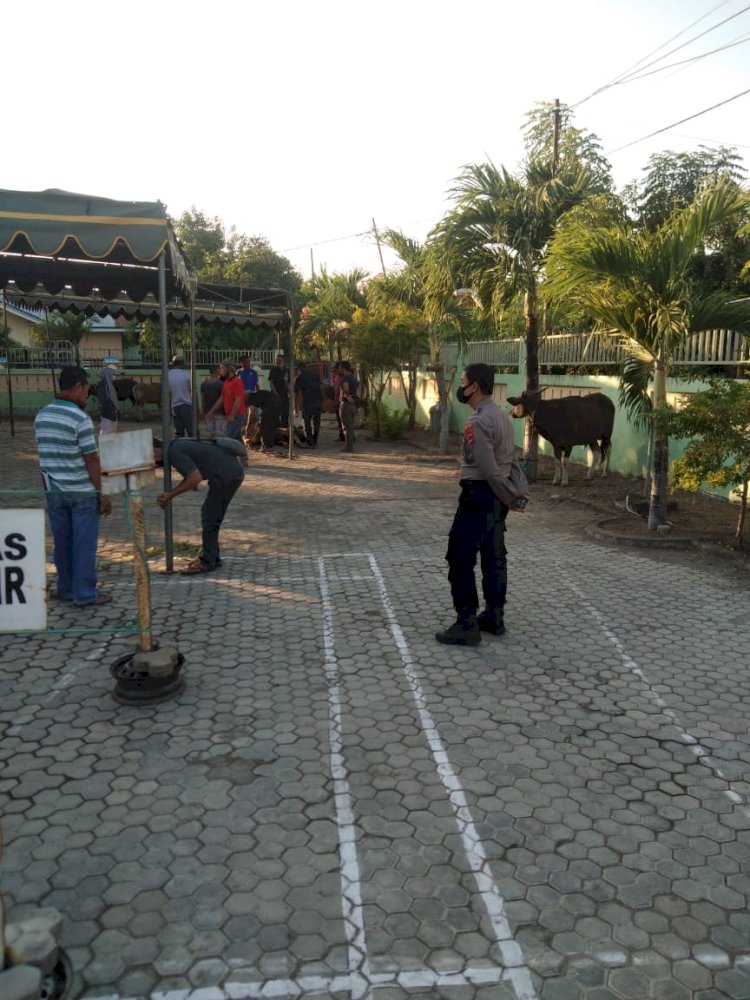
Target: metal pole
8, 369
49, 348
142, 586
194, 392
168, 548
290, 306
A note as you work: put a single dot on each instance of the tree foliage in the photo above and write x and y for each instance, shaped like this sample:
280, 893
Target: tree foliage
225, 256
495, 241
636, 285
331, 302
718, 423
576, 147
673, 181
424, 286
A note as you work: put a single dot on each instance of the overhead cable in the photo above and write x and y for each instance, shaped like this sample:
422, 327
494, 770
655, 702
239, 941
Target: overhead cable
680, 122
685, 62
638, 66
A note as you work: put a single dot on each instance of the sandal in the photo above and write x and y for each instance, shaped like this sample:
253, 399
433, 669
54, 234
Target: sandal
97, 602
196, 567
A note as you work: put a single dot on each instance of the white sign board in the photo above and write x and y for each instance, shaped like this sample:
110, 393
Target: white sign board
23, 583
123, 453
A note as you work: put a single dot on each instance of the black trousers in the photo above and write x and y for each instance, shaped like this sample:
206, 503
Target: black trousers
212, 514
478, 527
312, 422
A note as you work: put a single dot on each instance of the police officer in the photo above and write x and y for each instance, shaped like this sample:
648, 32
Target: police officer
479, 524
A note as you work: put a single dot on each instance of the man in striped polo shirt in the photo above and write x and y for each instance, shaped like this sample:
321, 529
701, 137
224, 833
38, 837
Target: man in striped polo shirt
72, 477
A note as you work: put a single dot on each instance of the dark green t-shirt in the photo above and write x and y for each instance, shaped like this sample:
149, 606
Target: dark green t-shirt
186, 455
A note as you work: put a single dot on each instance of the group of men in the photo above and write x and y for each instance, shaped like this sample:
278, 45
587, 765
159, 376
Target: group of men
72, 479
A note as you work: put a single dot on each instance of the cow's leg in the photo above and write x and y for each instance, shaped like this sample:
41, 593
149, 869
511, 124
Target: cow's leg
606, 452
596, 452
558, 465
564, 454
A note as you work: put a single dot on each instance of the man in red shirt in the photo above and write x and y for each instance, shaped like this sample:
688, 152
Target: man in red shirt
233, 401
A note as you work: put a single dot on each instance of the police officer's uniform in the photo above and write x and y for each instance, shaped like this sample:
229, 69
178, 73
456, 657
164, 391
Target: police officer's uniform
479, 525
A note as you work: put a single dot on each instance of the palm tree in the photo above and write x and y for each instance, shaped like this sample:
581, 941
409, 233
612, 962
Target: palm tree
70, 326
495, 240
426, 289
635, 285
329, 313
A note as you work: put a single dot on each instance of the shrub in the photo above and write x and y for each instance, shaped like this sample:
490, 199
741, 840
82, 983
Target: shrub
382, 420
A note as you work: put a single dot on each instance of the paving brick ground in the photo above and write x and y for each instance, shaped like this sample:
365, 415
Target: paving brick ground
338, 807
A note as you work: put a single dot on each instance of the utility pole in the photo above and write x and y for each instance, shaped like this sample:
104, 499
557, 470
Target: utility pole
312, 264
377, 240
555, 135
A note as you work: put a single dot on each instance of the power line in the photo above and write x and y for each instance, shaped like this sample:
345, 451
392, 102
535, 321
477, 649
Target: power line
352, 236
623, 77
695, 38
680, 122
685, 62
715, 142
320, 243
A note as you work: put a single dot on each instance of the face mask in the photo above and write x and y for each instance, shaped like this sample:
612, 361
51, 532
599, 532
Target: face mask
462, 395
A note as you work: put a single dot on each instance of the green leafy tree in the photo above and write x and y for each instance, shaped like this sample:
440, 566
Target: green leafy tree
717, 421
375, 349
326, 319
253, 263
674, 180
407, 343
70, 326
226, 256
576, 147
204, 241
495, 242
636, 286
422, 285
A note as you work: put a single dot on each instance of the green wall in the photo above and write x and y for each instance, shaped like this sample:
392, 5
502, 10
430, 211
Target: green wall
629, 443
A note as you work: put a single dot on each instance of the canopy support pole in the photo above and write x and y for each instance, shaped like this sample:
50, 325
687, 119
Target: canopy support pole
49, 350
8, 367
193, 385
165, 410
290, 415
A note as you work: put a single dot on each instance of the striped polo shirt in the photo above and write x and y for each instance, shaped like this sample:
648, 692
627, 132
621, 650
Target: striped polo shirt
64, 434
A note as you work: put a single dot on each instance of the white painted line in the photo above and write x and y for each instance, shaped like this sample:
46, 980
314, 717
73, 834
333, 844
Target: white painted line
351, 893
702, 755
288, 989
494, 904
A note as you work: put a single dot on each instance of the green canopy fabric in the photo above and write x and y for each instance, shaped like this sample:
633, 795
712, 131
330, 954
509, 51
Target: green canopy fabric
95, 247
204, 310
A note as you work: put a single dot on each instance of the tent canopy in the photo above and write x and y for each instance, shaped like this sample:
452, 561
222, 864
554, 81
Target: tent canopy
94, 247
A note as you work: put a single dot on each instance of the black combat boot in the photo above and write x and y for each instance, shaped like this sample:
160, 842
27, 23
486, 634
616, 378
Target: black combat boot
491, 620
463, 632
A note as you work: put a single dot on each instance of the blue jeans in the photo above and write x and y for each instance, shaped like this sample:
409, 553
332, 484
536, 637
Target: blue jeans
74, 520
236, 426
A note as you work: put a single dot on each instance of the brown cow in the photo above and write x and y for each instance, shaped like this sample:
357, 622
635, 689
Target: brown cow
567, 422
146, 392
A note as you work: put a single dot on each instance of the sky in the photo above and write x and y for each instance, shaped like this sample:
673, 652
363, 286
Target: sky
302, 122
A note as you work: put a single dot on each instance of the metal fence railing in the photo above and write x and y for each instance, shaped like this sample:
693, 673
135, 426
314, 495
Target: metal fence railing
585, 350
60, 353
